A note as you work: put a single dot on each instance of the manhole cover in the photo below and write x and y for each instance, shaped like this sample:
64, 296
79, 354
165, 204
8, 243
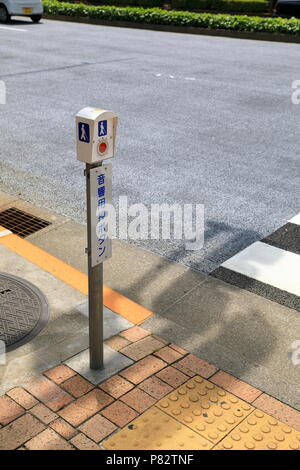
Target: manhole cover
24, 311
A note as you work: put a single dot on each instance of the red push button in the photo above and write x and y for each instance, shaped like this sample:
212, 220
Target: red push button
102, 147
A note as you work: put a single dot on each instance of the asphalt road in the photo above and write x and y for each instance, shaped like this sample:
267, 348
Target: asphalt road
203, 120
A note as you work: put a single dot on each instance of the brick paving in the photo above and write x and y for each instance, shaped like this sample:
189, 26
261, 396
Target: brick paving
43, 413
172, 376
9, 410
168, 355
63, 428
77, 386
119, 413
138, 400
116, 386
237, 387
85, 407
63, 411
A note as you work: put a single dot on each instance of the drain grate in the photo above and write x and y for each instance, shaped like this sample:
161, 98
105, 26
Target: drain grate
20, 222
24, 311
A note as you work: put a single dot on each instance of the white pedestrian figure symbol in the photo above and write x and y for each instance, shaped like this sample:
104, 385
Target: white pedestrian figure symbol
83, 133
102, 130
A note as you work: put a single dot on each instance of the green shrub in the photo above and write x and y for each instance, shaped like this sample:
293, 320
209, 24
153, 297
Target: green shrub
192, 4
176, 18
240, 5
222, 5
138, 3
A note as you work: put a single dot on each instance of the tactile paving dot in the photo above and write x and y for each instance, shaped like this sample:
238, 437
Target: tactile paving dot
207, 409
261, 432
154, 430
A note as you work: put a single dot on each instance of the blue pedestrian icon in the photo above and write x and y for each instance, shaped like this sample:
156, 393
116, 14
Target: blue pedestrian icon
84, 132
102, 128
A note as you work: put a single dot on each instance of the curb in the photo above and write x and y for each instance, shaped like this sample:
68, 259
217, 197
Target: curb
258, 36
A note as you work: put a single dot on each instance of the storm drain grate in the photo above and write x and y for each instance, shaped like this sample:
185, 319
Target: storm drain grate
20, 222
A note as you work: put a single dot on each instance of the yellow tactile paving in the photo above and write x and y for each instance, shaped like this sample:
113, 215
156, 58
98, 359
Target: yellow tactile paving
155, 430
260, 431
206, 408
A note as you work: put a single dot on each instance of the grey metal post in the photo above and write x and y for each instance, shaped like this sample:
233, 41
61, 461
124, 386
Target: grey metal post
95, 286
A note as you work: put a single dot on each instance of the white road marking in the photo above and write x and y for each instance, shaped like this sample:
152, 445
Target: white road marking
268, 264
13, 29
4, 233
295, 219
173, 76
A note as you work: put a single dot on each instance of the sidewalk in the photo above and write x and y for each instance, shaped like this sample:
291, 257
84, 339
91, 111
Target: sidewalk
232, 392
166, 390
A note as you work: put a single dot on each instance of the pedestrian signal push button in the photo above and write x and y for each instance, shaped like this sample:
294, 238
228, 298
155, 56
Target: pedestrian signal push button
102, 147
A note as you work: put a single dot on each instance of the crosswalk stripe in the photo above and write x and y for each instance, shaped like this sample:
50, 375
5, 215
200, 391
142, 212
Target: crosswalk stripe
286, 237
295, 219
256, 287
269, 265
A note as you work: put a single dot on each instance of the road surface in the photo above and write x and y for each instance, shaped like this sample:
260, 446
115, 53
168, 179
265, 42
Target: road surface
203, 120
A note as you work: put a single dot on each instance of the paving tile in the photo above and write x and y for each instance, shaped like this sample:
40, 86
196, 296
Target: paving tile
142, 348
155, 387
162, 340
279, 410
85, 407
183, 369
19, 431
116, 386
114, 362
49, 393
48, 440
22, 397
261, 432
143, 369
168, 354
237, 387
9, 410
77, 386
205, 408
135, 333
43, 413
97, 428
178, 349
197, 365
63, 428
117, 342
59, 373
82, 442
154, 430
119, 413
138, 400
172, 376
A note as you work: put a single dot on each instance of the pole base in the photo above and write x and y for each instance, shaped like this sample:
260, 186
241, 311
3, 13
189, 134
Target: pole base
114, 362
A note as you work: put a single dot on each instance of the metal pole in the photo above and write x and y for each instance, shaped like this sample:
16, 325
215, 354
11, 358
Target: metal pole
95, 284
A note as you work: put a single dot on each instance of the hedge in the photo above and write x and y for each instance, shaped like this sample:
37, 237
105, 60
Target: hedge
218, 5
222, 5
134, 3
176, 18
